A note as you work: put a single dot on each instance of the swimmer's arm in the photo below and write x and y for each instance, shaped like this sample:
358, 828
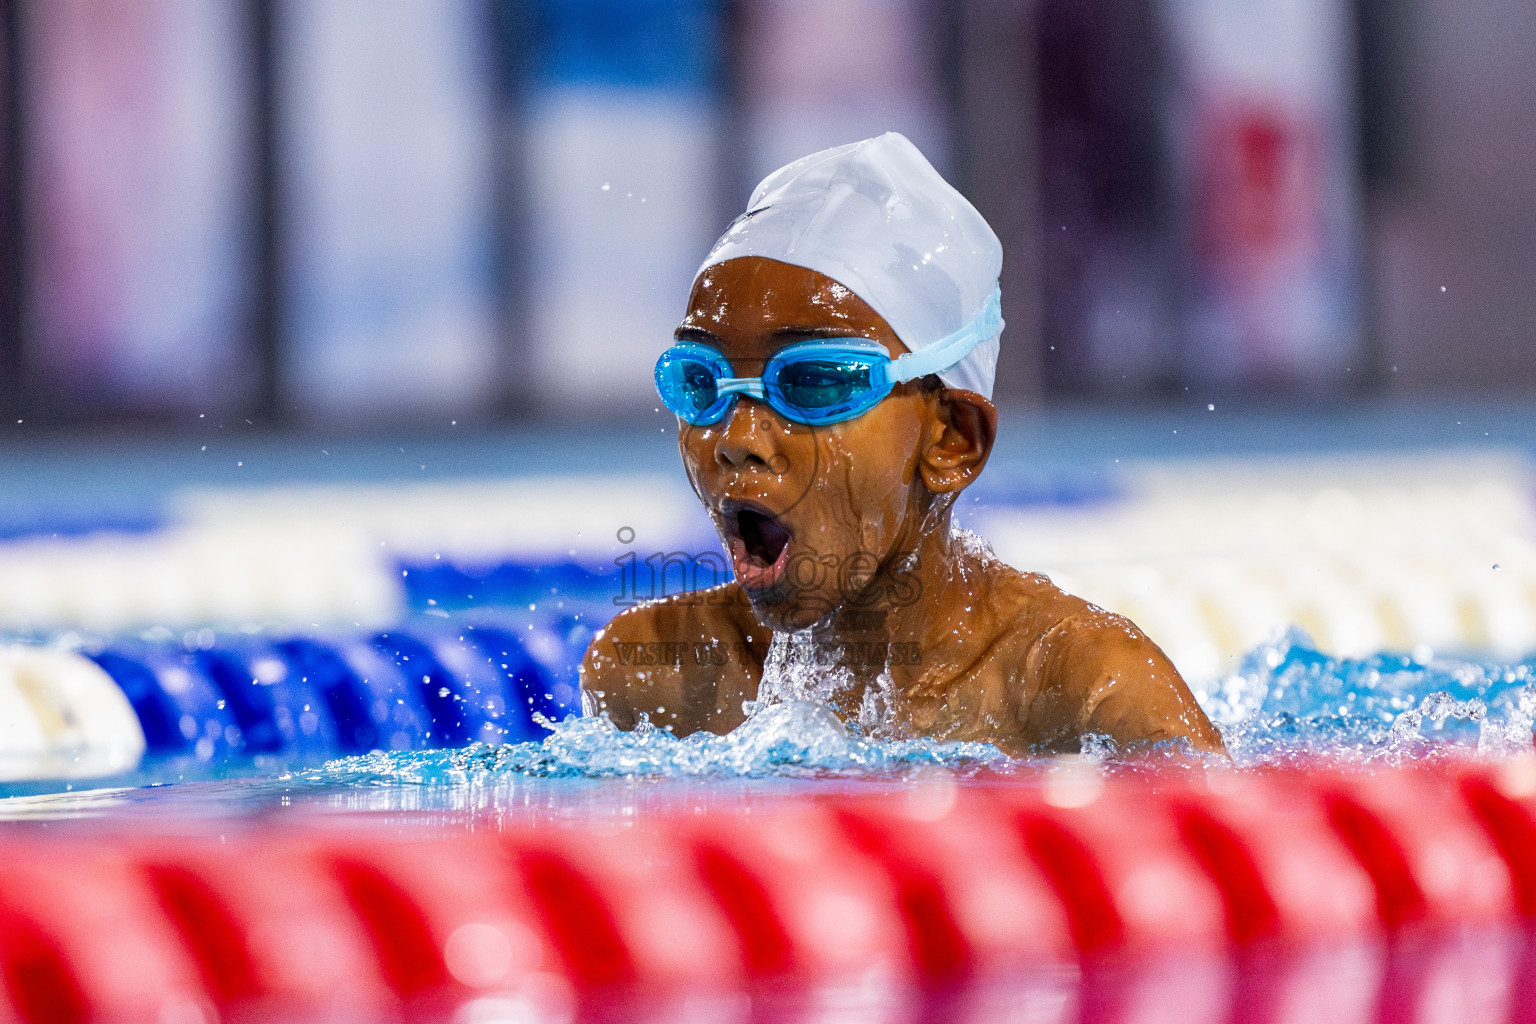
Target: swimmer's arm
682, 662
604, 687
627, 672
1110, 679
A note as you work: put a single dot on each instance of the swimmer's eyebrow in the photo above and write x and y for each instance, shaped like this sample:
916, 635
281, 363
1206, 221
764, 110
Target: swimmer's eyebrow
788, 334
696, 334
782, 335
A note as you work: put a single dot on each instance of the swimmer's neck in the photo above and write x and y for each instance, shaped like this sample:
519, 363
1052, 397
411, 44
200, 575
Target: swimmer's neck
917, 601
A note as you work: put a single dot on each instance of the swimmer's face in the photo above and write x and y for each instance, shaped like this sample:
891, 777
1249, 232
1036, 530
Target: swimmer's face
808, 513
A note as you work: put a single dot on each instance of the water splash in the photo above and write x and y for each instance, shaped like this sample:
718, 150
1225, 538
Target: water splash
1437, 707
799, 668
1288, 701
794, 738
794, 671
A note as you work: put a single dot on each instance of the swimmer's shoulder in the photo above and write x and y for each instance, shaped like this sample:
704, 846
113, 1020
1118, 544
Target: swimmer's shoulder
1018, 615
1045, 625
1030, 607
720, 613
668, 657
1082, 668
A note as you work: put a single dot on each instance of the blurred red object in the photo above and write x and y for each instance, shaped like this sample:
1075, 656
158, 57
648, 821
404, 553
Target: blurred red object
1279, 897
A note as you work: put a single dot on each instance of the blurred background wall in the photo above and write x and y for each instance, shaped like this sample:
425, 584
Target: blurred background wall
381, 212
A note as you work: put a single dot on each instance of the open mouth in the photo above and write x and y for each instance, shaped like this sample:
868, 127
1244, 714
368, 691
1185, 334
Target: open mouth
758, 543
764, 538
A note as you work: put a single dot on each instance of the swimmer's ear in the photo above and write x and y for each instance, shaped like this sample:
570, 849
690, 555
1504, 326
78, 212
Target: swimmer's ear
960, 440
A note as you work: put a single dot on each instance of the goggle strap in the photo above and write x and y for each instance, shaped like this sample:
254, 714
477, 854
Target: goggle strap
946, 352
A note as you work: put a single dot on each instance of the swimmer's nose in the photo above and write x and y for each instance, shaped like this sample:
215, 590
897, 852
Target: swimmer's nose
750, 439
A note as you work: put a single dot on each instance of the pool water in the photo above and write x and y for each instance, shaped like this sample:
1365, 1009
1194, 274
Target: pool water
1288, 704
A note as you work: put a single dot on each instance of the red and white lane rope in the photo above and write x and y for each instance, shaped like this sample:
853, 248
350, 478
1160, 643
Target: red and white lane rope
1301, 896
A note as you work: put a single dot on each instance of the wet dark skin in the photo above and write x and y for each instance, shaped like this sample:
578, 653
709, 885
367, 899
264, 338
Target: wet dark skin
844, 531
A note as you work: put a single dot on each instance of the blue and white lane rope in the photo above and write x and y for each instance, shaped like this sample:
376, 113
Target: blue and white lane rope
102, 711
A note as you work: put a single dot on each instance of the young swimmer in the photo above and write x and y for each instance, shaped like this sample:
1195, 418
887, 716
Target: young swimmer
831, 380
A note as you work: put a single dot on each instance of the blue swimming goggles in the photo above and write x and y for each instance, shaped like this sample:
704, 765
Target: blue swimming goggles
812, 382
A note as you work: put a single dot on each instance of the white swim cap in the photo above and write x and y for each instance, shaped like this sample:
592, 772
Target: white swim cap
878, 219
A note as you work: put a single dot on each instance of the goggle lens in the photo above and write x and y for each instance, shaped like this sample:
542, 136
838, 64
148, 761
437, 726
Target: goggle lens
821, 384
688, 380
696, 386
